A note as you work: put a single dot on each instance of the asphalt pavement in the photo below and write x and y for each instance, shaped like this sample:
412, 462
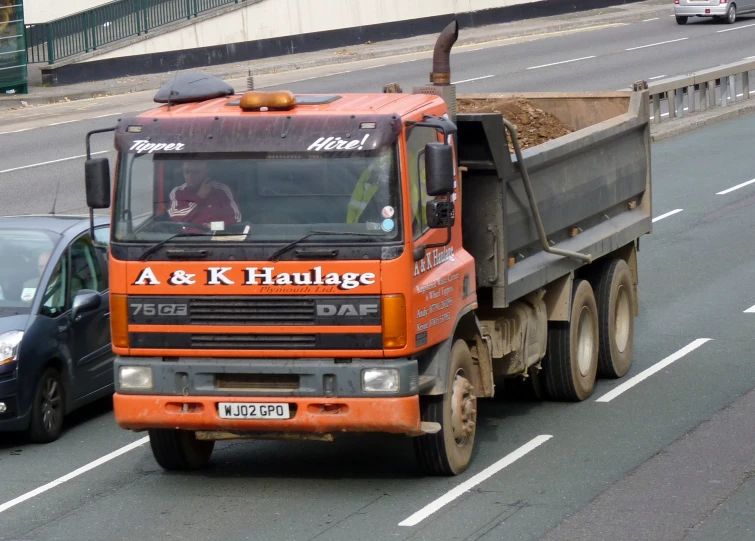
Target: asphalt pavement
696, 271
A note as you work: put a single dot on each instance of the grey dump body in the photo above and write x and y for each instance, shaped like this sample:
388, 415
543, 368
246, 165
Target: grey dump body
592, 189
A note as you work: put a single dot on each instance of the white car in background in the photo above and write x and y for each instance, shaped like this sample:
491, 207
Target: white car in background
726, 10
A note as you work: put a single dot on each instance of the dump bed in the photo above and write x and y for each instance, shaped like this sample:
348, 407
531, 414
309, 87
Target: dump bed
591, 185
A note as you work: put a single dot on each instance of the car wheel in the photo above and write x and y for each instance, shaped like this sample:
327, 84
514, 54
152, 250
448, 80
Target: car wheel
731, 15
48, 409
681, 20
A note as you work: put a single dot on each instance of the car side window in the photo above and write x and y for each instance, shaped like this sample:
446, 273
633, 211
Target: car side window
54, 298
102, 236
86, 270
415, 142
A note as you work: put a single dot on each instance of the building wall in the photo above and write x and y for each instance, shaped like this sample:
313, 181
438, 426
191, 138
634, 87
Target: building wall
41, 11
278, 18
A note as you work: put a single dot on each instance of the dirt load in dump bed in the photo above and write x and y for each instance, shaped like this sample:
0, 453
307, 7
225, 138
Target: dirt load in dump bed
534, 126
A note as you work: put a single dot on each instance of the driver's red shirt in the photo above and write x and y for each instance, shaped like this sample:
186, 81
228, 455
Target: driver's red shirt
218, 206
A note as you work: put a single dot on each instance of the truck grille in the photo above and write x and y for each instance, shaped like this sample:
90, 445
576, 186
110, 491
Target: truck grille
246, 311
253, 341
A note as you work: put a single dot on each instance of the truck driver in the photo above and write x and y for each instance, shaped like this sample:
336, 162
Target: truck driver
200, 200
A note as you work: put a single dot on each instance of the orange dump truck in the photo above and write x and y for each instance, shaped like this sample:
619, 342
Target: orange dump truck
298, 266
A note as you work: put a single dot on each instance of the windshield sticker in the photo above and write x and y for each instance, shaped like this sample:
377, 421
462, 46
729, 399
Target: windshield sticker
388, 212
260, 276
28, 294
388, 225
336, 143
142, 145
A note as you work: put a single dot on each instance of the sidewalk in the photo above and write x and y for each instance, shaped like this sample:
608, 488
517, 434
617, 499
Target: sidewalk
39, 95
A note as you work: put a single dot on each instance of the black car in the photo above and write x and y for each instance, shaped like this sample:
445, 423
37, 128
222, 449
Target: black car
55, 352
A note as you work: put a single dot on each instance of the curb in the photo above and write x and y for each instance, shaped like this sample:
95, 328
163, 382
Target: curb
295, 65
674, 128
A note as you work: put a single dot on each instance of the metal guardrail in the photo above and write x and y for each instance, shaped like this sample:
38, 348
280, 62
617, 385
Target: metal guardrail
122, 19
707, 89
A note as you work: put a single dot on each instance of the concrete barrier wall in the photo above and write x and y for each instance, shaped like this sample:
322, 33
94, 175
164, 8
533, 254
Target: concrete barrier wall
41, 11
268, 19
268, 28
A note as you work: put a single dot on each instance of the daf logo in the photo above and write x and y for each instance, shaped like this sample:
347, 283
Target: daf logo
346, 310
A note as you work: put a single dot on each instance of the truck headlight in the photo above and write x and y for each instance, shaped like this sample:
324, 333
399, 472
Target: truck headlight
380, 380
135, 378
9, 342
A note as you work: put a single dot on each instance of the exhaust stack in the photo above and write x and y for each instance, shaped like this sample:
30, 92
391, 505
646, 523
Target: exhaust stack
441, 74
440, 77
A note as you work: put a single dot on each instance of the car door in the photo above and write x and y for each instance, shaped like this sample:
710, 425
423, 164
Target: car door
90, 331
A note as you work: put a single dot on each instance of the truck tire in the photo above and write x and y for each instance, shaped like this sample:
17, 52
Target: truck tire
449, 451
179, 449
571, 362
614, 294
681, 20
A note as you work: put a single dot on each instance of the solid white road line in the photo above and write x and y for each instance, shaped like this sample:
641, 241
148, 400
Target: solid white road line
454, 493
562, 62
53, 161
738, 186
750, 310
653, 19
735, 28
654, 44
15, 131
99, 462
107, 115
470, 80
652, 370
656, 77
671, 213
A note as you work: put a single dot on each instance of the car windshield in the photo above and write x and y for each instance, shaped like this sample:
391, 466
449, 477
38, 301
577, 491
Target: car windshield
259, 197
24, 254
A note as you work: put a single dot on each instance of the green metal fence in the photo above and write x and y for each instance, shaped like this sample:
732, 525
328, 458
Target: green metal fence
13, 72
88, 30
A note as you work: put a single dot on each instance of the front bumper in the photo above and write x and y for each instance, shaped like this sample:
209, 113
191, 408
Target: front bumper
701, 11
315, 415
324, 395
16, 416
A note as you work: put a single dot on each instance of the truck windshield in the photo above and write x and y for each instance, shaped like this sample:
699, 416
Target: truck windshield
258, 197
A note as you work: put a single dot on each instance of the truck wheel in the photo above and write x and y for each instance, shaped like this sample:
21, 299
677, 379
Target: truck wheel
448, 451
681, 20
614, 295
571, 362
48, 409
179, 449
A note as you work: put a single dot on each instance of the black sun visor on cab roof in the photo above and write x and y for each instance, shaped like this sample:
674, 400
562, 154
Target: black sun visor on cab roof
192, 86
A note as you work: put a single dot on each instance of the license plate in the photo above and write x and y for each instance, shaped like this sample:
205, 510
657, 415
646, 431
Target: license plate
241, 410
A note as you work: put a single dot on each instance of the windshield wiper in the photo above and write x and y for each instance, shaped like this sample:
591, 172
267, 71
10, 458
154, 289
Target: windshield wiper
290, 245
152, 249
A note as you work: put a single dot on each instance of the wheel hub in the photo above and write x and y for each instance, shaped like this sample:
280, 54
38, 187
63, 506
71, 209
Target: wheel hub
463, 408
584, 341
50, 405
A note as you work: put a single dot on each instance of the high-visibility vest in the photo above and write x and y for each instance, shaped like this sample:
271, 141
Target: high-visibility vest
365, 190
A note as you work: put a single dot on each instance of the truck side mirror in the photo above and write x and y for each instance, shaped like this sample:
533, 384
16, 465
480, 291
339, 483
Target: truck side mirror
441, 214
97, 177
439, 169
